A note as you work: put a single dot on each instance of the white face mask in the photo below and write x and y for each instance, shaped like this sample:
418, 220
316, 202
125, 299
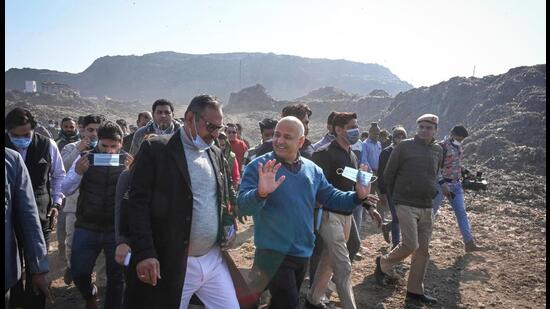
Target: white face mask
456, 143
356, 175
199, 142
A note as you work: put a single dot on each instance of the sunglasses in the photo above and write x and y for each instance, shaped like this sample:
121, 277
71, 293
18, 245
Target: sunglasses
210, 126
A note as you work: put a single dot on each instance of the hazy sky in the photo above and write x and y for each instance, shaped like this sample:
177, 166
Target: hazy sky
423, 42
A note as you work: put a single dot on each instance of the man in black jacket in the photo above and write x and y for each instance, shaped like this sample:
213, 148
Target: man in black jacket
410, 178
336, 225
94, 226
176, 219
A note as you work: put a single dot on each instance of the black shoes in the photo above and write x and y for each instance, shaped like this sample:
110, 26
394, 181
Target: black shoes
379, 275
386, 228
307, 304
423, 298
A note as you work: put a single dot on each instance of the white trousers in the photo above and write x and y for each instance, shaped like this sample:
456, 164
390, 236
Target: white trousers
209, 278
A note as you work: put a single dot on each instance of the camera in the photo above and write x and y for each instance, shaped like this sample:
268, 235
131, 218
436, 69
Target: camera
475, 184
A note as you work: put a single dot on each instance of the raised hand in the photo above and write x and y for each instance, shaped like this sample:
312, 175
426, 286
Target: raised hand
266, 174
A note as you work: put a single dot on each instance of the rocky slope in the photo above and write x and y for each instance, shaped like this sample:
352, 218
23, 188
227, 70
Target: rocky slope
179, 77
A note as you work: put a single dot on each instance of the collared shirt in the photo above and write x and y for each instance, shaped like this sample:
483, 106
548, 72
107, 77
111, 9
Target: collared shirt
371, 153
57, 172
294, 166
325, 141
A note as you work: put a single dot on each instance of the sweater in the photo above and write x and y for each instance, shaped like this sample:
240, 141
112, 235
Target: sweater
283, 221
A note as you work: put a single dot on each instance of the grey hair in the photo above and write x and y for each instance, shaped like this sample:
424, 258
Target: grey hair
296, 122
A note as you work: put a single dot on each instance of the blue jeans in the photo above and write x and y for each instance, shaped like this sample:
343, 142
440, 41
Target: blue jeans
87, 245
395, 231
458, 206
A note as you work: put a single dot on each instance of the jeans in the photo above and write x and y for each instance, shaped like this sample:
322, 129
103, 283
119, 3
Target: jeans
395, 231
458, 206
87, 245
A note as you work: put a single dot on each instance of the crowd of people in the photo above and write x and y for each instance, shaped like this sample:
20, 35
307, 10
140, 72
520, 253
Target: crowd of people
152, 208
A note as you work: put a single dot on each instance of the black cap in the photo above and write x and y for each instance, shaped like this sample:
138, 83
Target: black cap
267, 123
459, 131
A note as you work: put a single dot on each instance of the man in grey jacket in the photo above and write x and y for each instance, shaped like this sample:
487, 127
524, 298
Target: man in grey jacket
22, 225
410, 177
163, 123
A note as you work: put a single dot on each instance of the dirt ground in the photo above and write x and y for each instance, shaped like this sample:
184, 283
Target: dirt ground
510, 272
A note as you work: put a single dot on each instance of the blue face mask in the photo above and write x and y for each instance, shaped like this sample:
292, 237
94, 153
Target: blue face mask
21, 142
92, 144
199, 142
353, 135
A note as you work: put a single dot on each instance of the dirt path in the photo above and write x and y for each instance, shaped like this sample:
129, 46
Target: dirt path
509, 273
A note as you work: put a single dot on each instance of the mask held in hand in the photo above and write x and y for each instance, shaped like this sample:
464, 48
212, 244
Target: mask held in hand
355, 175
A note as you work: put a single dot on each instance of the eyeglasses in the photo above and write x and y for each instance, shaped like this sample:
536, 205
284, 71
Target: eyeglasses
210, 126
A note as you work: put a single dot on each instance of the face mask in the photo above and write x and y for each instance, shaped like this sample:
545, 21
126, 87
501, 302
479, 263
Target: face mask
356, 175
105, 159
21, 142
352, 135
92, 144
51, 125
199, 142
456, 143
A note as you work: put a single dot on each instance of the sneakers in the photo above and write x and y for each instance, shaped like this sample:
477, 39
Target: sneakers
423, 298
386, 228
471, 246
67, 277
379, 275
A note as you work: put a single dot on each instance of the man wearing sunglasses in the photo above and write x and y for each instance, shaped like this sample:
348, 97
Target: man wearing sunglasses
163, 123
177, 202
410, 178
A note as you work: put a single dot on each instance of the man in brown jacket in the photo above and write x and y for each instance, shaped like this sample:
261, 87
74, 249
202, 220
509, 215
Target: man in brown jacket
410, 176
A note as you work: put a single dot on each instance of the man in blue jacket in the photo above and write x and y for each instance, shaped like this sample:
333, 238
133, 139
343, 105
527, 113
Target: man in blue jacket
22, 225
280, 189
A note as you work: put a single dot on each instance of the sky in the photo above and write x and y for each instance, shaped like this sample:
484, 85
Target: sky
423, 42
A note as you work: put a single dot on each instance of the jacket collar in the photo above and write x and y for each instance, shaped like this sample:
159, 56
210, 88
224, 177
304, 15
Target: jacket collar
175, 146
